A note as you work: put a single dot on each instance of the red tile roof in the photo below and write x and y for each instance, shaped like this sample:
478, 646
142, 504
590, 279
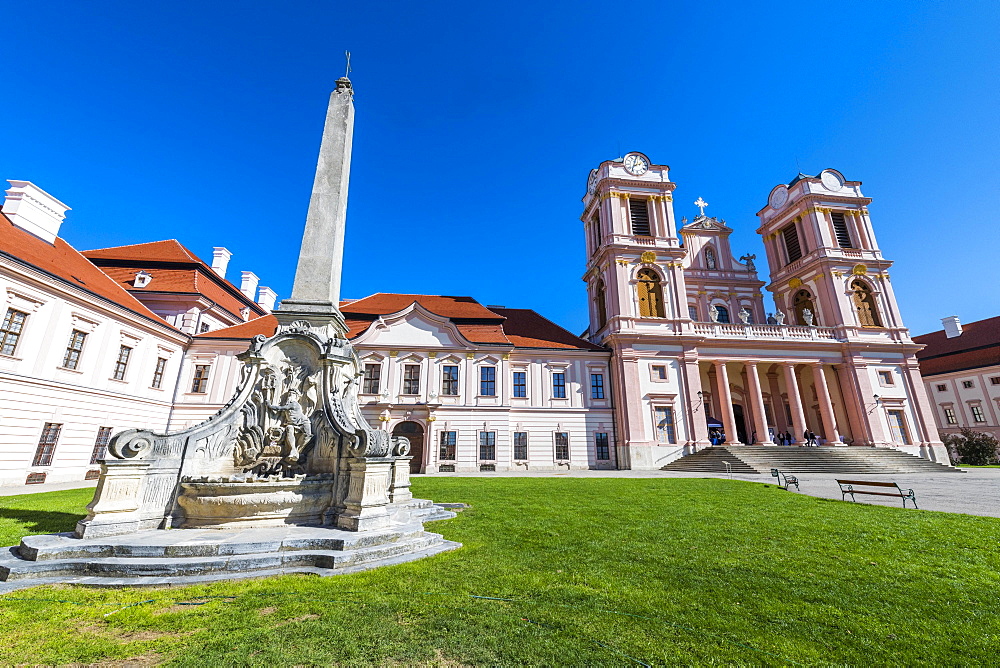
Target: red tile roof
977, 346
168, 250
521, 328
66, 263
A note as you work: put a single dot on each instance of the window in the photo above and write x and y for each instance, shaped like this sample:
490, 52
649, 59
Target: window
968, 384
897, 425
558, 386
121, 364
601, 446
885, 379
693, 312
203, 328
665, 432
722, 314
639, 212
411, 379
942, 388
487, 381
562, 446
449, 380
949, 416
792, 247
601, 302
710, 260
448, 439
520, 445
520, 384
864, 305
803, 302
370, 382
161, 365
47, 444
597, 386
199, 384
10, 332
658, 372
995, 380
840, 230
488, 445
650, 294
101, 445
72, 357
977, 413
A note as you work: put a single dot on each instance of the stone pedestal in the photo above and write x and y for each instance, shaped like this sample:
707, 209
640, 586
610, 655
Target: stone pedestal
399, 482
367, 494
115, 508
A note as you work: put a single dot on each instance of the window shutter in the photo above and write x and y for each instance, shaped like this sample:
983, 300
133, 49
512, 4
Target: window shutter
840, 229
640, 217
791, 236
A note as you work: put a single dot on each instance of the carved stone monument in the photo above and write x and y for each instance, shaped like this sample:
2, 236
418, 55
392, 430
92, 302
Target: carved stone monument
290, 450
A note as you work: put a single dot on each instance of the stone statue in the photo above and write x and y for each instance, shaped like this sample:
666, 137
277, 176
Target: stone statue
745, 316
748, 259
713, 313
771, 320
296, 427
807, 315
780, 317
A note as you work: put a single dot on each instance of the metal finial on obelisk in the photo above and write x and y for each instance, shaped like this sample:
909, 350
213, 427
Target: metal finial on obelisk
316, 291
347, 72
701, 204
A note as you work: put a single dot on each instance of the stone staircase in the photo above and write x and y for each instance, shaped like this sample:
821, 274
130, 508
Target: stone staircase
750, 459
190, 556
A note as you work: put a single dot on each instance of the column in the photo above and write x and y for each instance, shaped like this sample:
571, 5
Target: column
825, 406
794, 402
726, 403
757, 397
777, 405
695, 414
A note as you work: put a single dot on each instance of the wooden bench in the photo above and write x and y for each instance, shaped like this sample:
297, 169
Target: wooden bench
789, 479
848, 487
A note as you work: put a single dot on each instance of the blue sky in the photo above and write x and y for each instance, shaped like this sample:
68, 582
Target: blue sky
477, 125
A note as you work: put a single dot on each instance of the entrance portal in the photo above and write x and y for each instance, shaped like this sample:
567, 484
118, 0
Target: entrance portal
414, 432
741, 426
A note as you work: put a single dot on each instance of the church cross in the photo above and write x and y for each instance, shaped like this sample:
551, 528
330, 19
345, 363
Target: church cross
701, 204
347, 55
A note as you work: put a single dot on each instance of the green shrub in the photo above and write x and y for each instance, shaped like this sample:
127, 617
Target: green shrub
972, 448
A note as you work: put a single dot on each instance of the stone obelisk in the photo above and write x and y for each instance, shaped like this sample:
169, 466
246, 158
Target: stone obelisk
316, 291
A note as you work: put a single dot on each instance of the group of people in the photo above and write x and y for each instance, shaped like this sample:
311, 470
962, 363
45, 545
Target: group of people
809, 439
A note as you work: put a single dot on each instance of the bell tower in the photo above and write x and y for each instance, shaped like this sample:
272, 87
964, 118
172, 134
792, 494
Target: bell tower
826, 267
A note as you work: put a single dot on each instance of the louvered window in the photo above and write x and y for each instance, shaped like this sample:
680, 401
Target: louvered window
840, 229
792, 247
639, 211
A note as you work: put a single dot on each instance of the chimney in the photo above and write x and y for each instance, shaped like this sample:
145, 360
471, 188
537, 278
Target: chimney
266, 298
34, 210
220, 260
248, 284
952, 327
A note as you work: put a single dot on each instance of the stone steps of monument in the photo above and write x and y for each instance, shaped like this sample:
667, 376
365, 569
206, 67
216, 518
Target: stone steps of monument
105, 580
843, 460
137, 569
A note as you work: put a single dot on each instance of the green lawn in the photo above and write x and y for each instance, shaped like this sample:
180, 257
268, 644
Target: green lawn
566, 571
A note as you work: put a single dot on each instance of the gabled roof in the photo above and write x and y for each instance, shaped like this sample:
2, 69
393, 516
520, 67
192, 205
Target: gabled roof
168, 250
977, 346
527, 329
384, 303
64, 262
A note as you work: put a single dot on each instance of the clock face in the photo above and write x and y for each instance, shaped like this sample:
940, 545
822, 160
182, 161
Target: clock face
592, 182
778, 198
831, 180
636, 164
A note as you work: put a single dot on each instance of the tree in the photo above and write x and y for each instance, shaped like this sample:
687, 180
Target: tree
972, 448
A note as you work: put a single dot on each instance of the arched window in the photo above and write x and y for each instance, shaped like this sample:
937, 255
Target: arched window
650, 294
803, 301
710, 260
600, 301
864, 305
723, 314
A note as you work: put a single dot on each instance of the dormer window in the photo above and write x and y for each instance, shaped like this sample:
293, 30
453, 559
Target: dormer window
142, 279
639, 212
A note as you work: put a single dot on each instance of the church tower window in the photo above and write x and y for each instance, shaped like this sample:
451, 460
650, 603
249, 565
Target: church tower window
600, 302
792, 246
639, 212
864, 305
723, 314
650, 294
804, 302
710, 260
840, 229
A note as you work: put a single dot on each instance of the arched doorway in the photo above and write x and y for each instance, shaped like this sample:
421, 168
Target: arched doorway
741, 425
414, 432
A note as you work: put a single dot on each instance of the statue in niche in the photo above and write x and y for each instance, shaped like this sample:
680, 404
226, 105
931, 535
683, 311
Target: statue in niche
713, 313
807, 315
745, 316
748, 259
